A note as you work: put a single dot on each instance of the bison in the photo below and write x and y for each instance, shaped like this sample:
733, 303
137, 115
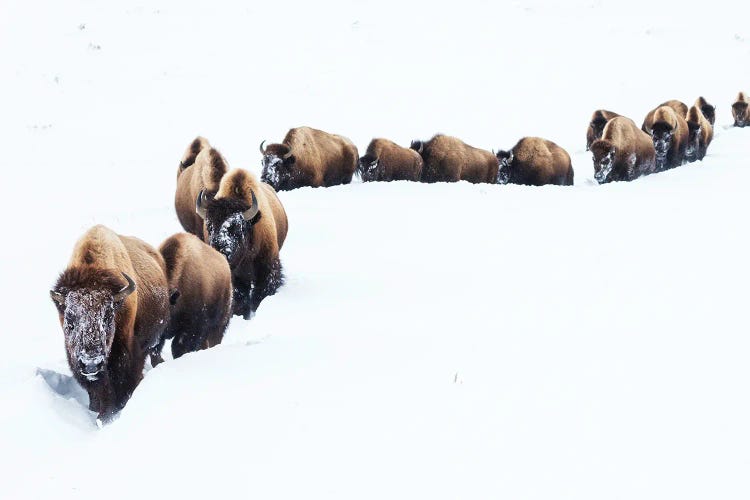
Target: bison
246, 223
198, 171
623, 153
707, 109
113, 305
200, 288
701, 133
387, 161
535, 162
448, 159
308, 157
679, 107
669, 131
740, 112
596, 126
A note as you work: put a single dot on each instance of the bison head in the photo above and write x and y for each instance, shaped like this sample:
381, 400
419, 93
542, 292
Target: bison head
277, 164
709, 112
87, 302
694, 138
504, 158
229, 224
662, 134
417, 146
604, 160
367, 168
741, 115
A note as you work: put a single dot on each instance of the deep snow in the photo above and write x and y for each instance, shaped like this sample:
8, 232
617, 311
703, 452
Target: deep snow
431, 341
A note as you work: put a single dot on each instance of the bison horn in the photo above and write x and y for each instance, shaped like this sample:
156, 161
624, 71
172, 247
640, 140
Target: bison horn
126, 290
251, 212
200, 204
262, 151
287, 155
57, 297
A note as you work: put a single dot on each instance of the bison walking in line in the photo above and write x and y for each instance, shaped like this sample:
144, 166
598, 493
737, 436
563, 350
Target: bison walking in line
201, 168
623, 153
535, 162
669, 132
700, 134
707, 109
246, 223
200, 288
113, 304
740, 111
448, 159
308, 157
387, 161
599, 119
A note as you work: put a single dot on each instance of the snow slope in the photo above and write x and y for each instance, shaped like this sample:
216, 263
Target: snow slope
432, 341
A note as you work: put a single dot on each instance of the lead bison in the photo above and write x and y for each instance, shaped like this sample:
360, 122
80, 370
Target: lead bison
535, 162
623, 153
201, 168
246, 223
599, 119
200, 287
701, 133
740, 111
113, 305
387, 161
448, 159
669, 132
308, 157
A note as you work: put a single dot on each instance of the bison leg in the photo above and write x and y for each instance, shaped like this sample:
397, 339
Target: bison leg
155, 353
241, 295
268, 279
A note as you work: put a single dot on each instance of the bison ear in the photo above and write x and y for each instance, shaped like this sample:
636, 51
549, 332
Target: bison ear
57, 297
173, 296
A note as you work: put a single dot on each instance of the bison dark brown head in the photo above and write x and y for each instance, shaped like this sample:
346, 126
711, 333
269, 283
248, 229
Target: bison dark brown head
604, 160
662, 135
417, 146
87, 309
741, 114
505, 159
277, 164
229, 224
709, 112
367, 168
694, 138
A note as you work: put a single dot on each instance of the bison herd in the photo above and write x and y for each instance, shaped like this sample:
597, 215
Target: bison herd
119, 299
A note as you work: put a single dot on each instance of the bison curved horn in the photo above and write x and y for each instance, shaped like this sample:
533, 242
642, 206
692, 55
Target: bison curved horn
251, 212
262, 151
57, 297
287, 154
126, 290
200, 204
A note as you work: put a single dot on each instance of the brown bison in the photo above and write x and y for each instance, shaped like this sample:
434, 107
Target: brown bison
387, 161
707, 109
308, 157
200, 288
669, 131
679, 107
701, 133
623, 153
740, 111
201, 168
113, 304
535, 162
246, 223
596, 126
448, 159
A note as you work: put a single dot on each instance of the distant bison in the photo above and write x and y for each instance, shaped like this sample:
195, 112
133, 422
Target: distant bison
247, 223
201, 168
679, 107
669, 132
387, 161
596, 126
740, 111
534, 161
707, 109
308, 157
113, 305
200, 287
448, 159
701, 133
623, 153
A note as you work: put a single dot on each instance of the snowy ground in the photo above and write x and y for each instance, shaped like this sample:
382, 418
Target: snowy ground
432, 341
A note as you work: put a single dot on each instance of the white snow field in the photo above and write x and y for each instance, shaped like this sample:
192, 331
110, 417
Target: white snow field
432, 341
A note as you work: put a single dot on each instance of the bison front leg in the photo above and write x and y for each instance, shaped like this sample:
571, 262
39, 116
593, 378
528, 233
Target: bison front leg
241, 299
268, 279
